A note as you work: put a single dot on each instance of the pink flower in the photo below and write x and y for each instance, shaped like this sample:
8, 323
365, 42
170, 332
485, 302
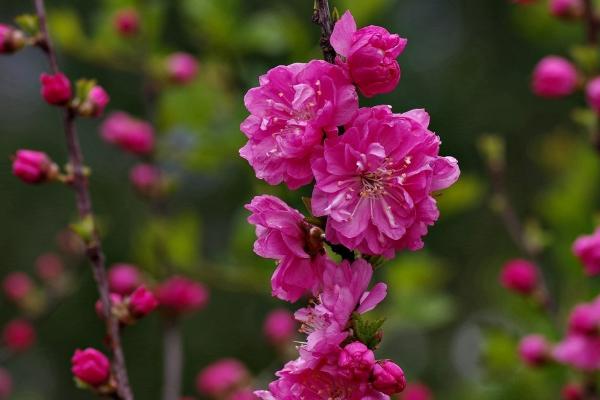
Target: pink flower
388, 377
96, 102
416, 391
142, 302
179, 294
585, 318
534, 350
116, 307
90, 366
572, 391
11, 39
127, 22
520, 276
554, 77
18, 335
375, 182
357, 360
369, 54
124, 278
592, 91
587, 249
6, 384
279, 326
285, 236
566, 8
33, 166
221, 376
578, 351
131, 134
146, 179
56, 89
49, 267
243, 394
291, 111
182, 68
17, 286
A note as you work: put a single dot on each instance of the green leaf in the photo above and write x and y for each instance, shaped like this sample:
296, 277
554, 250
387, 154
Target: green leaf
28, 23
84, 228
367, 331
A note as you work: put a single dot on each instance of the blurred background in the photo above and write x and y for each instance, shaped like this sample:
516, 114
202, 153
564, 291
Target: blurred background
449, 323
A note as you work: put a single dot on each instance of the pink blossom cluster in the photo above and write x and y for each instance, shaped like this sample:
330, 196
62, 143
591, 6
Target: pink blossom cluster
225, 379
375, 173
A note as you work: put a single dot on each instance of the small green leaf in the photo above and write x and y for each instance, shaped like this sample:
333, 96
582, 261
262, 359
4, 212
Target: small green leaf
83, 87
28, 23
367, 331
84, 228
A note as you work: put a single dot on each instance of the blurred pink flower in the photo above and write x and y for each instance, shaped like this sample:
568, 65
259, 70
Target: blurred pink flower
534, 350
131, 134
554, 77
124, 278
56, 89
182, 68
587, 249
221, 376
127, 22
520, 276
18, 335
142, 302
49, 267
90, 366
179, 294
16, 286
279, 326
416, 391
6, 384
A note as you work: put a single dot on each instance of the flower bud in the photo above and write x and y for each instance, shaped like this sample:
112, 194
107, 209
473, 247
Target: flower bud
123, 278
182, 68
96, 102
91, 367
534, 350
179, 295
17, 286
127, 22
130, 134
18, 335
11, 39
6, 384
585, 319
33, 166
357, 359
416, 391
56, 89
388, 377
566, 9
142, 302
279, 327
554, 77
49, 267
572, 391
592, 92
146, 179
221, 377
117, 308
520, 276
587, 249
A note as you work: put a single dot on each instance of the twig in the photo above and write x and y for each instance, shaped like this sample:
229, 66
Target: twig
173, 359
322, 17
84, 206
591, 22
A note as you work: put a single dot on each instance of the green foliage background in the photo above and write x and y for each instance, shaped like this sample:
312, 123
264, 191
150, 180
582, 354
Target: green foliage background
449, 324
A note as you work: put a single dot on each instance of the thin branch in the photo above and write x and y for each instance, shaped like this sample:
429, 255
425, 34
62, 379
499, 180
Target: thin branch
172, 359
591, 22
84, 206
322, 17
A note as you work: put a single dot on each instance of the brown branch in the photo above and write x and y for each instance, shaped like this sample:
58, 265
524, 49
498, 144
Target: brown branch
84, 206
591, 22
322, 17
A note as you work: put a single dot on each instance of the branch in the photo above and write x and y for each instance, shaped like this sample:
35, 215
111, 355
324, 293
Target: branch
172, 359
84, 206
591, 22
322, 17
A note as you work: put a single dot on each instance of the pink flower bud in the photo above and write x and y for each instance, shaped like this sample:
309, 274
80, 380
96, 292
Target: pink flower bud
11, 39
17, 286
572, 391
221, 376
56, 89
142, 302
534, 350
18, 335
131, 134
416, 391
179, 294
388, 377
127, 22
123, 278
566, 8
554, 77
95, 103
33, 166
592, 91
182, 68
6, 384
357, 359
49, 267
585, 319
369, 54
279, 326
146, 179
116, 302
520, 276
587, 249
90, 366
